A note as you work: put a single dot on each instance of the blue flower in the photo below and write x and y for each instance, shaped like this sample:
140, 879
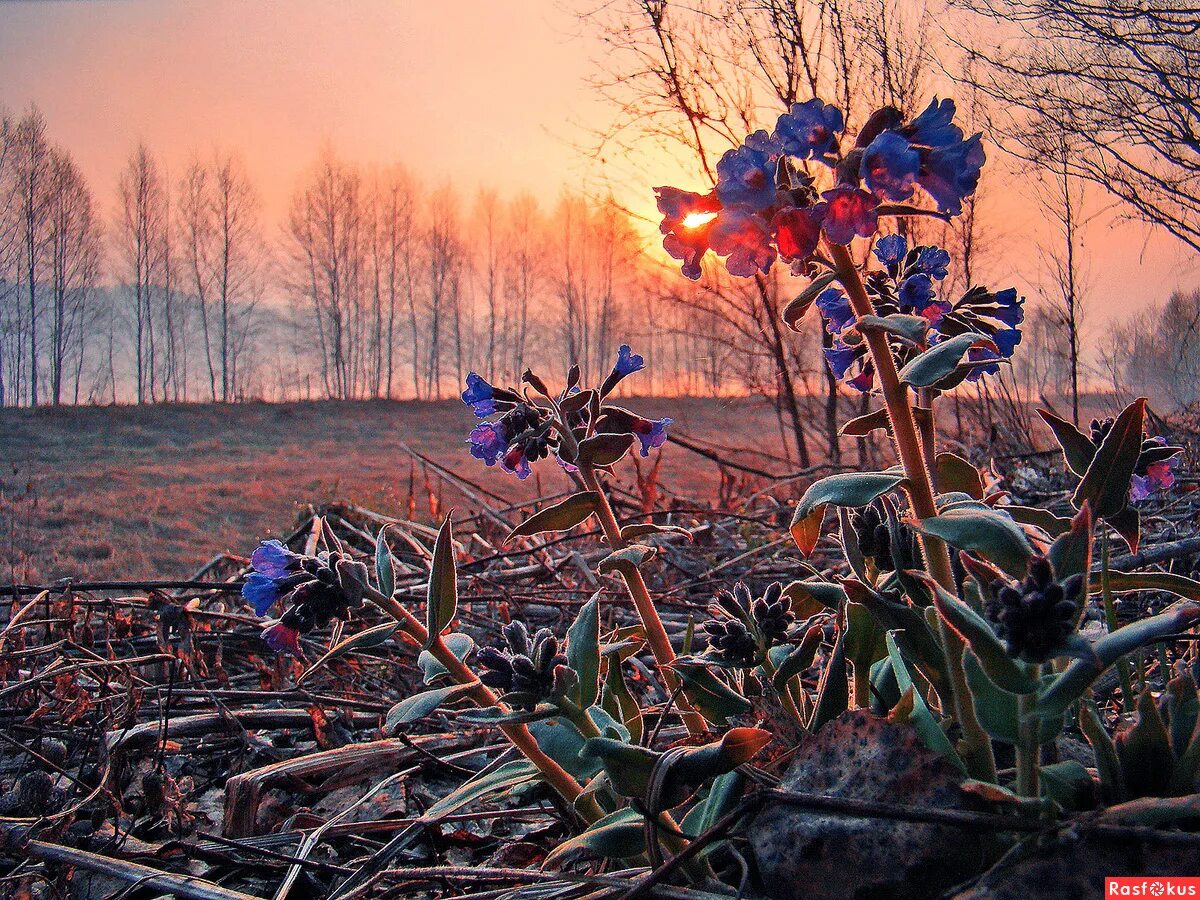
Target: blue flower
274, 560
651, 433
848, 211
797, 232
628, 362
745, 239
841, 357
916, 293
951, 173
479, 395
835, 307
935, 126
488, 442
891, 249
1007, 339
746, 178
889, 166
687, 221
1009, 309
933, 261
810, 129
260, 591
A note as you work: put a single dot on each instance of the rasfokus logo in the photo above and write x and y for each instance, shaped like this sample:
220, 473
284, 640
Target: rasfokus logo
1142, 886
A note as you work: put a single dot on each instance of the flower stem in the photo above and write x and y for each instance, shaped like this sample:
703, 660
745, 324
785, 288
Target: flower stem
1110, 620
1028, 748
977, 751
518, 735
656, 634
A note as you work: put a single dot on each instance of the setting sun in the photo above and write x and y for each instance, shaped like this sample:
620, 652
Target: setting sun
696, 219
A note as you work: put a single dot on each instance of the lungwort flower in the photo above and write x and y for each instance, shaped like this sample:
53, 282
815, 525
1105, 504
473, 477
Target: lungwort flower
810, 129
1036, 617
744, 628
529, 670
1155, 468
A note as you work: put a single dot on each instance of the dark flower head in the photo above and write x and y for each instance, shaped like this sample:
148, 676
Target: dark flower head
836, 310
797, 232
873, 530
273, 559
848, 212
529, 670
746, 178
687, 224
889, 166
731, 641
810, 129
745, 628
891, 249
318, 589
1035, 618
743, 237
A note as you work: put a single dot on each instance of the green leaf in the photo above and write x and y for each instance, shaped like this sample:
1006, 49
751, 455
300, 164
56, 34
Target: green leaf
920, 717
711, 696
953, 473
618, 835
1071, 684
385, 574
374, 636
861, 426
849, 489
798, 659
693, 766
833, 690
442, 598
810, 597
560, 740
1105, 484
988, 532
722, 797
1123, 582
637, 530
420, 705
1077, 447
1053, 525
1108, 766
940, 361
1071, 553
997, 708
583, 650
795, 310
626, 560
562, 516
628, 765
494, 715
1144, 749
504, 778
908, 328
1068, 784
431, 667
604, 449
619, 701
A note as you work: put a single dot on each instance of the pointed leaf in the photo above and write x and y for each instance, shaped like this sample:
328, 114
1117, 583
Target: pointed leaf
1071, 553
988, 532
849, 489
505, 778
431, 667
420, 705
941, 360
1105, 484
795, 310
385, 574
1077, 447
583, 650
562, 516
604, 449
442, 598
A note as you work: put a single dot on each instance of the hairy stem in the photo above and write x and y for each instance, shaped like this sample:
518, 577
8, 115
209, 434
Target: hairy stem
518, 735
656, 634
1028, 749
977, 751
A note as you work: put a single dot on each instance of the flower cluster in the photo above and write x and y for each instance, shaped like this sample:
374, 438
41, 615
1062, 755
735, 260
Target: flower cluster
316, 589
529, 670
1156, 464
525, 430
872, 528
745, 628
765, 206
1035, 618
906, 284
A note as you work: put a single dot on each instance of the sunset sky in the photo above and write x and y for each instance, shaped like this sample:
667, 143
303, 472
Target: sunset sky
482, 92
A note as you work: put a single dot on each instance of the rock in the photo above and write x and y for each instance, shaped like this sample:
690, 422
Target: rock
811, 855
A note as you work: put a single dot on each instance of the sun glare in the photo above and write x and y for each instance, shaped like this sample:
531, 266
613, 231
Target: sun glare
696, 219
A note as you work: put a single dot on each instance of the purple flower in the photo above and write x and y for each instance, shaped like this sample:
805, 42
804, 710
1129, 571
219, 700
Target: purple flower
891, 249
651, 433
889, 166
282, 638
917, 296
746, 178
687, 222
1009, 308
848, 211
515, 462
488, 441
797, 232
934, 262
842, 357
1007, 339
479, 395
810, 129
1160, 476
744, 238
628, 362
950, 173
935, 126
835, 307
260, 591
274, 560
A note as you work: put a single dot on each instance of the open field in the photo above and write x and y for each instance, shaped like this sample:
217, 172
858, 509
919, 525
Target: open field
157, 491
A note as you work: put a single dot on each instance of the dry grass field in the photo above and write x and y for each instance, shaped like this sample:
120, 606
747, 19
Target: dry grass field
135, 492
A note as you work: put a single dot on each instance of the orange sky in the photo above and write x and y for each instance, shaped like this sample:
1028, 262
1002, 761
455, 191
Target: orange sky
489, 92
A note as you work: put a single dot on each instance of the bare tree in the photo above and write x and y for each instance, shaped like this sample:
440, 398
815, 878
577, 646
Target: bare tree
33, 172
1121, 78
